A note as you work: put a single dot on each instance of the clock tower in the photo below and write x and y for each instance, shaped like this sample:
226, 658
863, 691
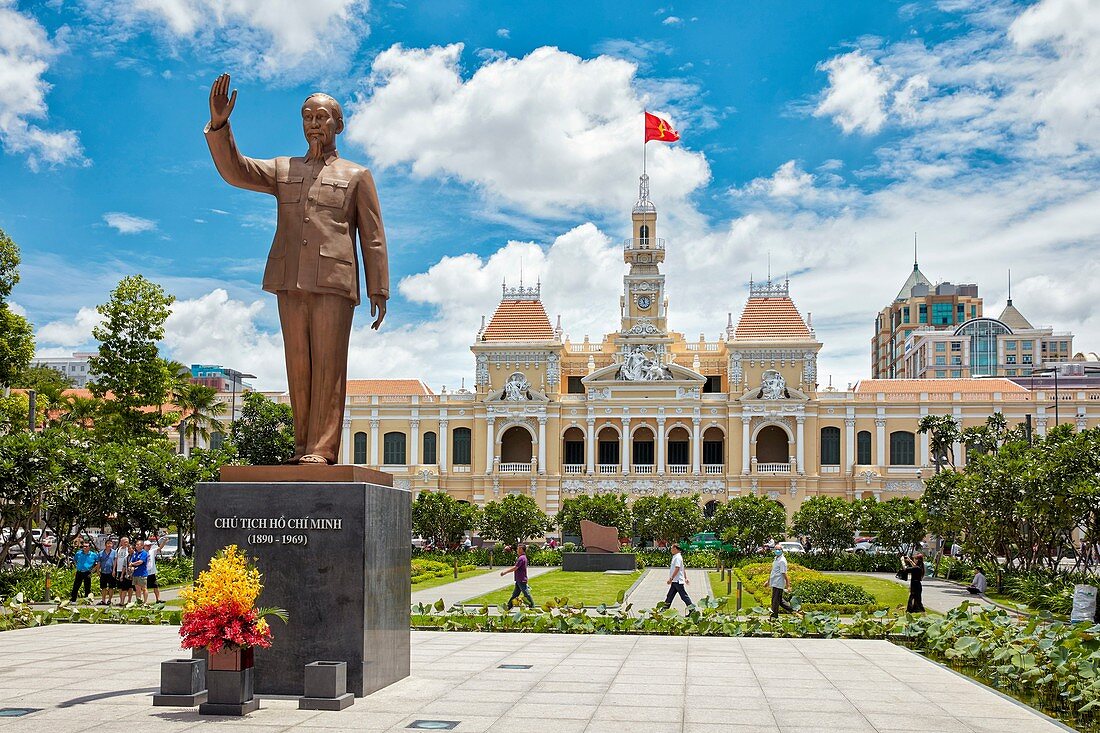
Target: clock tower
643, 306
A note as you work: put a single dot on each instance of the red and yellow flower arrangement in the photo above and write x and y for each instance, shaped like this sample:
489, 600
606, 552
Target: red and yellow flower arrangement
219, 611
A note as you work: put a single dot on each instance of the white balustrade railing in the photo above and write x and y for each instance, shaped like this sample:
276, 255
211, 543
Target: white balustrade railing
460, 469
643, 468
608, 468
514, 467
773, 467
572, 469
830, 469
676, 470
713, 469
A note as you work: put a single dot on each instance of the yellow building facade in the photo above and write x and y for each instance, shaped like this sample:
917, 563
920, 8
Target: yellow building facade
647, 411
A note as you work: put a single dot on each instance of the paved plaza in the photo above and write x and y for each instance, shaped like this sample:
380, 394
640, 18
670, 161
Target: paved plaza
86, 678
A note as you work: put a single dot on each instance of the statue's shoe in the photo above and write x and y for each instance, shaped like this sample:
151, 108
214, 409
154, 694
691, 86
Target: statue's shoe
313, 458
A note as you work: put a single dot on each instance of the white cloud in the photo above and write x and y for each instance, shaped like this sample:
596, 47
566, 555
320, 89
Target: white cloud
549, 133
128, 223
504, 33
71, 333
273, 39
856, 96
672, 20
25, 55
788, 180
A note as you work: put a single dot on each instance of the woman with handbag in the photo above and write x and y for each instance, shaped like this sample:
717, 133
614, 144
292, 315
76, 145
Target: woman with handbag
912, 569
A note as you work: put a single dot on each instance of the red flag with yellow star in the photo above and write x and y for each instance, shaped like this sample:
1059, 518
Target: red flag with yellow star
658, 129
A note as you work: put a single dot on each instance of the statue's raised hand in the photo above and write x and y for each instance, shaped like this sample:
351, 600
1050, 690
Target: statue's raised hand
221, 103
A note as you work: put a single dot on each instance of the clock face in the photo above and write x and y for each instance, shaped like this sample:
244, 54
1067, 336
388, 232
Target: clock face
644, 301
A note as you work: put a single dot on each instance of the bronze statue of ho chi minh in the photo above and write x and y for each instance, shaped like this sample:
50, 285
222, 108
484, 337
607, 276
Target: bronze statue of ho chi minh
325, 202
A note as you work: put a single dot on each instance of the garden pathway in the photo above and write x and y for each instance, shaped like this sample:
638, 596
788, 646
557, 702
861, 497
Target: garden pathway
460, 590
652, 588
938, 595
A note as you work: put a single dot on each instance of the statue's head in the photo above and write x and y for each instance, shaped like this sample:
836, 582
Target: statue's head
322, 120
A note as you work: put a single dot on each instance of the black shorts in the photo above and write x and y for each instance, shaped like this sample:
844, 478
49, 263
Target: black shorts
106, 580
125, 583
152, 581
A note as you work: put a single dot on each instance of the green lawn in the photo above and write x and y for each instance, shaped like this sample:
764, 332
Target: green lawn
886, 592
433, 582
718, 592
589, 589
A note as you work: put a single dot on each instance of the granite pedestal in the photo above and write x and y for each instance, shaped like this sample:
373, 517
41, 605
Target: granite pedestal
335, 553
597, 562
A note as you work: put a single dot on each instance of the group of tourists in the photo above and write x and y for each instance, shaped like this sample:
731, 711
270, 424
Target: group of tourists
131, 569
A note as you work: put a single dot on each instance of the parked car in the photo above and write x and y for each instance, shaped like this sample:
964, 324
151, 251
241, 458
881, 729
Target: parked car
789, 547
705, 541
171, 549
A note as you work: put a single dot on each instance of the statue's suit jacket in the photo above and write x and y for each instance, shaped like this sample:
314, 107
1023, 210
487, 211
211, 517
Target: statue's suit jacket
322, 208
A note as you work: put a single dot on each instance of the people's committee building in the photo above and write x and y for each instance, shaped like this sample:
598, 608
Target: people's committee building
647, 411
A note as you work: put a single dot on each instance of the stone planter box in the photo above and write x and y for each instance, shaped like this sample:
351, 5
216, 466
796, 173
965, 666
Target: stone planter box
326, 687
230, 692
182, 683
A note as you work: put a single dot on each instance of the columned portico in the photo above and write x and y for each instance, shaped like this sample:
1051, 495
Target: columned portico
590, 447
490, 443
746, 445
660, 446
542, 445
696, 445
624, 451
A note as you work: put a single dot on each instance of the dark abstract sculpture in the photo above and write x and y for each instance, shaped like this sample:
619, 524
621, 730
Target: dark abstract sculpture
324, 203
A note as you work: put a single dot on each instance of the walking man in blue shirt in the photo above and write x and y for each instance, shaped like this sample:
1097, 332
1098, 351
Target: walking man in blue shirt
85, 561
520, 570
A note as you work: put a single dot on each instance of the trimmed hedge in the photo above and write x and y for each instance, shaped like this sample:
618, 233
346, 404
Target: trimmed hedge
428, 569
815, 590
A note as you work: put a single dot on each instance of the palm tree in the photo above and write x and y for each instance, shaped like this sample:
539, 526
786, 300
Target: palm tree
82, 411
201, 409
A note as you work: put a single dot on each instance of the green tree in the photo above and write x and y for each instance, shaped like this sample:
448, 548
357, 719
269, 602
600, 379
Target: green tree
16, 334
201, 409
16, 344
28, 470
829, 522
14, 411
667, 518
748, 521
264, 433
610, 510
943, 433
515, 518
128, 364
438, 516
898, 523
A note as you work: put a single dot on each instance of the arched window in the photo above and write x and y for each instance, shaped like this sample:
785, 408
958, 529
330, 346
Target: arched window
359, 448
643, 235
863, 448
714, 452
429, 449
573, 447
460, 447
830, 446
393, 449
902, 450
678, 447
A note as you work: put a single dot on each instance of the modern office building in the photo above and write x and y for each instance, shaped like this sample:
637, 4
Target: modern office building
919, 306
75, 368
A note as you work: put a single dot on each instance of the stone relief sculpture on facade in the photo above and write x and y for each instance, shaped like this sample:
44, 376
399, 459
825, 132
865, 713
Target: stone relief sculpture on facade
773, 386
637, 367
517, 388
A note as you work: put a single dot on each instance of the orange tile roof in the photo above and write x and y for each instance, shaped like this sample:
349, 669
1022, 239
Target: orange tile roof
387, 387
519, 320
771, 318
940, 386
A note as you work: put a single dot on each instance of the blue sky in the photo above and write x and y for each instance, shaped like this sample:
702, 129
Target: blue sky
506, 137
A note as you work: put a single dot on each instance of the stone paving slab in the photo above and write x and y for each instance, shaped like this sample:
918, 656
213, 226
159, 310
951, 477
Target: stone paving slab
90, 677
